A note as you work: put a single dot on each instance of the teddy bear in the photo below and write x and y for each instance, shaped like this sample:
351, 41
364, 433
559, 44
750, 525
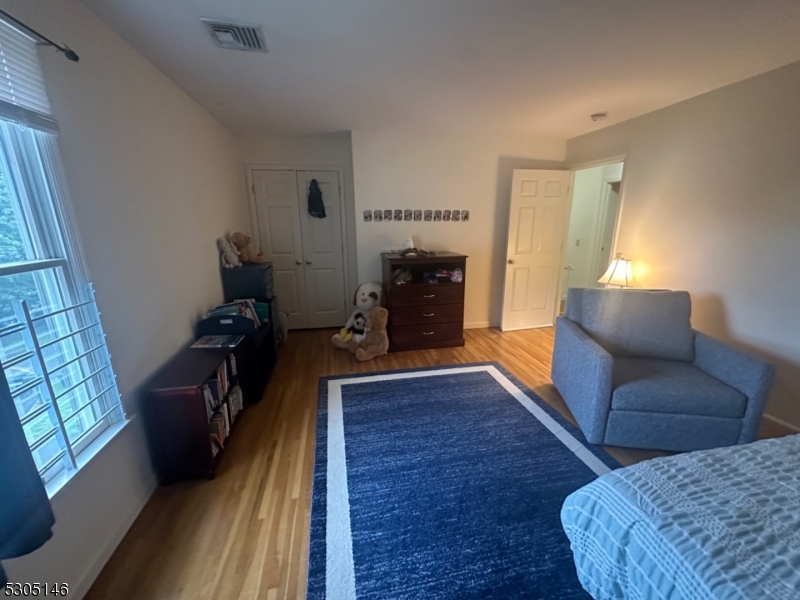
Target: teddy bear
229, 256
376, 342
367, 296
356, 331
248, 252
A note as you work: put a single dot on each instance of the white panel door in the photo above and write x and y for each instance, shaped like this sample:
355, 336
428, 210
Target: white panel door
536, 231
323, 251
281, 239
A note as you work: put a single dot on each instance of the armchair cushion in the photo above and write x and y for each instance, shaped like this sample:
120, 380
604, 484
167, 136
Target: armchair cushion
668, 386
640, 323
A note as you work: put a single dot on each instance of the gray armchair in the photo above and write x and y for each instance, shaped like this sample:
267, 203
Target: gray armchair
634, 373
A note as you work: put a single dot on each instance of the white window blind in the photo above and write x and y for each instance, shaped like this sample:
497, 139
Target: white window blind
23, 98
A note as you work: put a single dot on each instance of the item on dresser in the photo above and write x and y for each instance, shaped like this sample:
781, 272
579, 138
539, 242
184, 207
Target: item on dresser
228, 254
401, 276
422, 315
247, 252
430, 278
414, 252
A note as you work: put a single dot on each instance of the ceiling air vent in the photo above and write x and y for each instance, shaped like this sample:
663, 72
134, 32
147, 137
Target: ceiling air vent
236, 36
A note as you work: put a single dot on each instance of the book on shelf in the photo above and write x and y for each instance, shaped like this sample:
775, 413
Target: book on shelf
249, 303
245, 307
218, 341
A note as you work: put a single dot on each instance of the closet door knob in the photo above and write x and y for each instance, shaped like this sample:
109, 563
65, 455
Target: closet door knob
308, 262
298, 262
511, 261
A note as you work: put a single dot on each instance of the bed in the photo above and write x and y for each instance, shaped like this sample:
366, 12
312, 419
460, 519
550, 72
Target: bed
722, 523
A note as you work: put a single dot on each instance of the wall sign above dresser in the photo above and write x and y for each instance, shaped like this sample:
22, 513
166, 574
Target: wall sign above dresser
425, 311
381, 215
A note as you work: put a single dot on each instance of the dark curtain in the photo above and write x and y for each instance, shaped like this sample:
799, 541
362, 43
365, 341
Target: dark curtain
26, 517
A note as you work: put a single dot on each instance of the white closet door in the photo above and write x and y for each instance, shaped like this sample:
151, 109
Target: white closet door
277, 204
323, 251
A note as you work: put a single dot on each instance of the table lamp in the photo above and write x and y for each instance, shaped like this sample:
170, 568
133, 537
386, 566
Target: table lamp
618, 274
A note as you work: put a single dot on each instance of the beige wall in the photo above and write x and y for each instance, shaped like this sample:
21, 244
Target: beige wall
154, 180
711, 204
312, 151
408, 170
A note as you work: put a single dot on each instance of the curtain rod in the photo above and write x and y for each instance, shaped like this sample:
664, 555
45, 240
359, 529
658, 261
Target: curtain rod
70, 54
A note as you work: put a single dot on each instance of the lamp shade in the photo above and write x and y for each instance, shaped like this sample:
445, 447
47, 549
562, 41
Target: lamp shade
619, 273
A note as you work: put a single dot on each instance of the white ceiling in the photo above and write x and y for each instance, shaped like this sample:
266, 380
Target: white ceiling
535, 66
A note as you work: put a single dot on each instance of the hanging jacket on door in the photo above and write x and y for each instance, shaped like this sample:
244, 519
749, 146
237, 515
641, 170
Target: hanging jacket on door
315, 206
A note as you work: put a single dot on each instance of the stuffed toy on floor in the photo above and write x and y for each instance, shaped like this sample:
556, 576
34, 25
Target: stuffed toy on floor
376, 342
356, 331
367, 296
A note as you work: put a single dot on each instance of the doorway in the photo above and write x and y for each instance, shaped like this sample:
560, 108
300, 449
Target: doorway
593, 219
307, 253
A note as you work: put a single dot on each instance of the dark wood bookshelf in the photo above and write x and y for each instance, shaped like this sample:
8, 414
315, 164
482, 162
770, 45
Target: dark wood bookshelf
178, 422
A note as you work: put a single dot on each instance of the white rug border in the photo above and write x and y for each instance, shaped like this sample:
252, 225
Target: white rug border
340, 579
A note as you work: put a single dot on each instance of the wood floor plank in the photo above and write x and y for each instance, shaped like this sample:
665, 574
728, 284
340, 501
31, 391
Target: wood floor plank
244, 535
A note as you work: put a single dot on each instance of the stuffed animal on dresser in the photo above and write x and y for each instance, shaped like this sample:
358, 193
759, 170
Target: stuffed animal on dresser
367, 296
376, 342
248, 252
228, 255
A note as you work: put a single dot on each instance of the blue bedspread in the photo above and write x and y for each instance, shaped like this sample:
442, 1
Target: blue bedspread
722, 523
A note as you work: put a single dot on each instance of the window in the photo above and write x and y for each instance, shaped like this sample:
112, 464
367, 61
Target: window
52, 347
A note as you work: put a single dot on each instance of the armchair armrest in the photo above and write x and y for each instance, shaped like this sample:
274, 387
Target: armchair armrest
750, 376
581, 371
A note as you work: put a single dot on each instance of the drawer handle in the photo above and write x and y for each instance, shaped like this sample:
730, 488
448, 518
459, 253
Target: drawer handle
428, 296
427, 333
427, 314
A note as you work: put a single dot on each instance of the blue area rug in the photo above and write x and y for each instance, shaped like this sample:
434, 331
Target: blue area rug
443, 483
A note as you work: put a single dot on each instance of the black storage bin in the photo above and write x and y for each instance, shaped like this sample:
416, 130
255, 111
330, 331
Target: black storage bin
249, 281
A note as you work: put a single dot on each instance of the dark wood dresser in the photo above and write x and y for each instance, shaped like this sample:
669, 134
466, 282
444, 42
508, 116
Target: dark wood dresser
424, 315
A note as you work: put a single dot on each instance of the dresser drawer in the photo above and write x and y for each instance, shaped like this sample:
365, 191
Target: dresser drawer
422, 315
425, 295
424, 334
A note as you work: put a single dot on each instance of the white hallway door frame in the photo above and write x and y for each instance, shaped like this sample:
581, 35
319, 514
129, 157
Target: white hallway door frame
252, 205
547, 316
603, 162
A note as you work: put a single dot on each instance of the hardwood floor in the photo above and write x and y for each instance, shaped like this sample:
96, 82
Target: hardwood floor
244, 535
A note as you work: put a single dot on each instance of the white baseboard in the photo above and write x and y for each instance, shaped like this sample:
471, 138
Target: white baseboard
87, 580
782, 422
477, 325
